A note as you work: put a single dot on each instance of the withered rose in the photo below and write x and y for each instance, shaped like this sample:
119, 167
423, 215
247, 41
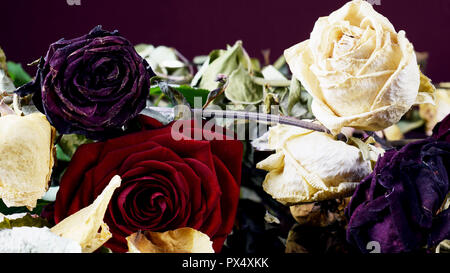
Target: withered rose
91, 85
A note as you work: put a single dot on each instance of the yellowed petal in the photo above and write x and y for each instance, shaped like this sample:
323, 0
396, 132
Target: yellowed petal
393, 133
181, 240
83, 226
26, 146
434, 113
426, 91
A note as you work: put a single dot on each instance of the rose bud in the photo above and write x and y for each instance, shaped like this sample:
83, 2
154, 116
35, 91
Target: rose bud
399, 204
312, 166
360, 72
26, 146
91, 85
169, 181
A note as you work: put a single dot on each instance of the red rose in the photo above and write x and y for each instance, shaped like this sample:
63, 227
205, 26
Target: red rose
166, 183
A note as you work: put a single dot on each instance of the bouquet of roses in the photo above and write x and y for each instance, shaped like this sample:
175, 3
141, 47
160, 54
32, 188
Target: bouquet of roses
122, 148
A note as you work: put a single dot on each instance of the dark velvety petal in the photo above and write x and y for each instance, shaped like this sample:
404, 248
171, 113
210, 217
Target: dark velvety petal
442, 130
228, 202
91, 85
397, 205
211, 192
166, 183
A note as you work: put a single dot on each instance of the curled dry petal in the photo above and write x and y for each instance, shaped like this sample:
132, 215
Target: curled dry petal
360, 72
27, 158
83, 226
311, 166
181, 240
432, 114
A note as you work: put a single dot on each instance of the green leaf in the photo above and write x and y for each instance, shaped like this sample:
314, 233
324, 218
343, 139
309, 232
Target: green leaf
241, 89
18, 74
61, 155
68, 144
25, 221
188, 92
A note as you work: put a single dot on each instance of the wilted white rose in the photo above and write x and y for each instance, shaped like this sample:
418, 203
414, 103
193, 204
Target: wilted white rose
359, 70
312, 166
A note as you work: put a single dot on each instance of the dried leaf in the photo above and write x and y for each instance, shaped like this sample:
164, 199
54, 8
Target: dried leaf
226, 62
241, 89
173, 94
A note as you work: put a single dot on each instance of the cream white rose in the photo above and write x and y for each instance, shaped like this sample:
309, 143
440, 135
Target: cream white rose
312, 166
359, 70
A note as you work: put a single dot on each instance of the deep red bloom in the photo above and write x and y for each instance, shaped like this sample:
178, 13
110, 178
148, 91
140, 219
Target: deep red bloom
166, 183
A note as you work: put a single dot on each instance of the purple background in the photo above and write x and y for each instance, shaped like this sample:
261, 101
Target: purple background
196, 27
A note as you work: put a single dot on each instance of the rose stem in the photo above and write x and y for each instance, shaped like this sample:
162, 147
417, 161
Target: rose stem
186, 61
251, 116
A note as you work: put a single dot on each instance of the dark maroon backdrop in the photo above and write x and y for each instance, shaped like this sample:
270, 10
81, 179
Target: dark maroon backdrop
196, 27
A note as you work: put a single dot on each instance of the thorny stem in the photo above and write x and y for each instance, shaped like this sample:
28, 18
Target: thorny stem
260, 117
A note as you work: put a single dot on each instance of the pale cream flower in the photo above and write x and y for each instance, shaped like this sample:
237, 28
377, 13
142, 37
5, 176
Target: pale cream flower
359, 70
312, 166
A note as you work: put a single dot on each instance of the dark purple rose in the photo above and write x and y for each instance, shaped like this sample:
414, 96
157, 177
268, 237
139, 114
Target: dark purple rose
91, 85
399, 204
